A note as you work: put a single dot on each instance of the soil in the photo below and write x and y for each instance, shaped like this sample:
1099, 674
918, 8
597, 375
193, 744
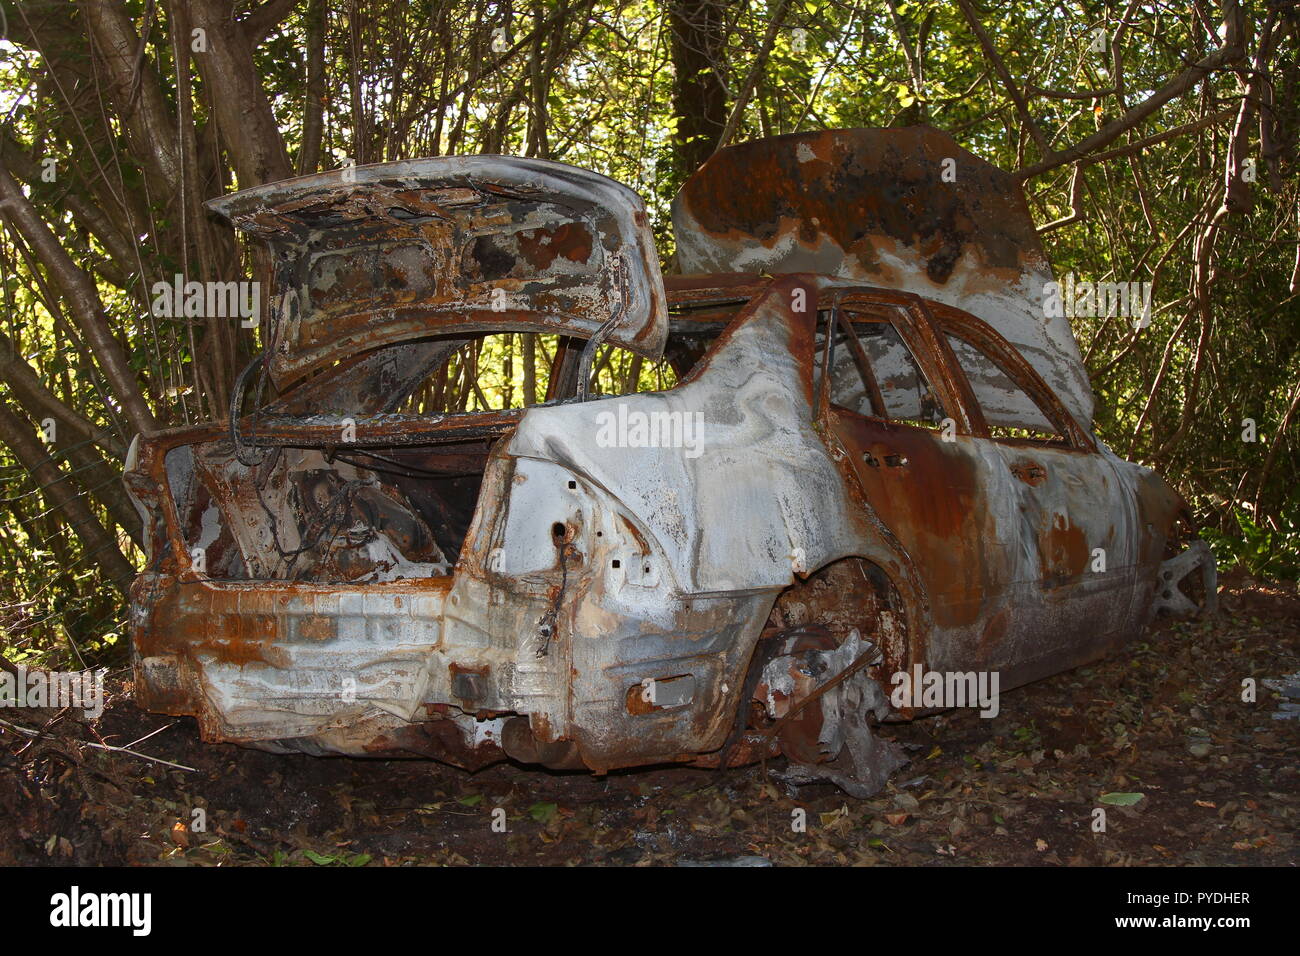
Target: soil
1215, 779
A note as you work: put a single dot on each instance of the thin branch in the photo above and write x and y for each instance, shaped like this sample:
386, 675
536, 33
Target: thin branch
1076, 203
1000, 67
27, 731
755, 70
1232, 51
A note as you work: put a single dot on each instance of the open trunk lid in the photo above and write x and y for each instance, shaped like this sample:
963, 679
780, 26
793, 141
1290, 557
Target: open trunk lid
370, 256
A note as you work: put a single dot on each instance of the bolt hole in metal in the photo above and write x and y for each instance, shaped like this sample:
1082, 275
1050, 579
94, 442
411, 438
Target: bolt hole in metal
557, 531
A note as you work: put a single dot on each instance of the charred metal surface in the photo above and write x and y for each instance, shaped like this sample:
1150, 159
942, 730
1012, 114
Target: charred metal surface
904, 209
376, 255
331, 574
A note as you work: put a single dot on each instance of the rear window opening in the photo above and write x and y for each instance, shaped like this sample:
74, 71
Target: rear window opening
505, 370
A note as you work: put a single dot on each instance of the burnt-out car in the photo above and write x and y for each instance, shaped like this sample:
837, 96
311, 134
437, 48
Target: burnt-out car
876, 462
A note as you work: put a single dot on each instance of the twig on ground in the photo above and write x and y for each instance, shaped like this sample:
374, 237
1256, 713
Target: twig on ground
87, 743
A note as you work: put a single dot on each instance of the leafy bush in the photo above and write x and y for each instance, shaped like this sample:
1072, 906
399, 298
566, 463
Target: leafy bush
1262, 552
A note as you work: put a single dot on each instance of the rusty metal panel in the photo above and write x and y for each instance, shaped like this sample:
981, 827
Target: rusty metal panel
376, 255
271, 661
875, 205
763, 497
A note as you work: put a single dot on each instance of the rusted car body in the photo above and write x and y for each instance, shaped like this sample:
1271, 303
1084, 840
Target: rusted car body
894, 468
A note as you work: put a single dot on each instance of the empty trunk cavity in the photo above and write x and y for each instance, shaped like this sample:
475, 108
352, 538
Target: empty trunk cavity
341, 514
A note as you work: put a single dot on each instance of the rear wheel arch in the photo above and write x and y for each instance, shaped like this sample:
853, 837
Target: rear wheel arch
858, 590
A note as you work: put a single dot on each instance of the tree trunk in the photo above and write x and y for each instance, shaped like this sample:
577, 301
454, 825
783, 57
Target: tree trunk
313, 114
100, 546
243, 112
699, 36
135, 91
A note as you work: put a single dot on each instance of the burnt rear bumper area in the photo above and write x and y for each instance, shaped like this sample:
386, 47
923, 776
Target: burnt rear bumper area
300, 666
432, 668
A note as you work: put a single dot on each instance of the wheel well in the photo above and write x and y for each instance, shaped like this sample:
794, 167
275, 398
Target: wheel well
850, 592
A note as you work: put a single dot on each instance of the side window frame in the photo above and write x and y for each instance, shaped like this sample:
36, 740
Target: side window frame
999, 353
917, 329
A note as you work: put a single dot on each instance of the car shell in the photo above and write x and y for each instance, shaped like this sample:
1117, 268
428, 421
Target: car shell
754, 591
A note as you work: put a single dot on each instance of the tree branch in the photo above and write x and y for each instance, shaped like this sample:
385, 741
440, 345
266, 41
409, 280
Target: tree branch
755, 70
135, 88
82, 298
991, 54
1229, 53
262, 21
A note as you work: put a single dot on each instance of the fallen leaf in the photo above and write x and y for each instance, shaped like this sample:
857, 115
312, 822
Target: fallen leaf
542, 812
1121, 799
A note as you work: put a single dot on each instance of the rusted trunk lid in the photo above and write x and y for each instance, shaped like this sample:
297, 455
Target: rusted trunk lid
374, 255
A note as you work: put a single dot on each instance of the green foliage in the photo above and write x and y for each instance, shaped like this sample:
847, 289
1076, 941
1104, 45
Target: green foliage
1262, 552
1122, 799
335, 859
543, 812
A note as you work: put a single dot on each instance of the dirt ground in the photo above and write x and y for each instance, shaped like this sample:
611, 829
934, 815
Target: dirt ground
1165, 719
